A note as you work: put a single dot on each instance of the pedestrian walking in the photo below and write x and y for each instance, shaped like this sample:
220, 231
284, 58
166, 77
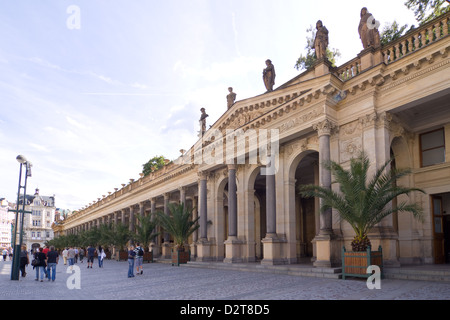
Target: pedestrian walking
64, 254
24, 260
52, 261
90, 255
131, 256
45, 251
71, 257
100, 255
4, 253
81, 253
40, 264
139, 259
76, 255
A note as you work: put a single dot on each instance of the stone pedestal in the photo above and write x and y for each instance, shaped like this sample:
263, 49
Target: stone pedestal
273, 250
326, 248
322, 67
166, 251
233, 250
193, 249
370, 57
203, 250
387, 238
154, 248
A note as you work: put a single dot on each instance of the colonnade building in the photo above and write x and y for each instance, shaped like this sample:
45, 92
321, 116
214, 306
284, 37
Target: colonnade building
393, 100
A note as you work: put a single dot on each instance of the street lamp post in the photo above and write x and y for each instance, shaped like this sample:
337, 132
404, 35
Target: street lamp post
17, 247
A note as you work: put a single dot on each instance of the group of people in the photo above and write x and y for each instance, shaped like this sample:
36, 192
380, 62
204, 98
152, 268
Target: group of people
6, 253
71, 255
44, 262
46, 259
135, 258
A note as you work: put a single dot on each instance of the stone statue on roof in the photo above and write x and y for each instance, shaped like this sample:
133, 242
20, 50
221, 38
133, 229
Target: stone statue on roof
231, 97
203, 122
321, 41
368, 30
269, 75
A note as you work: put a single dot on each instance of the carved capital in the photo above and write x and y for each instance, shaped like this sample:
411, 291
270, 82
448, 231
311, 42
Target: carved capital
203, 175
325, 127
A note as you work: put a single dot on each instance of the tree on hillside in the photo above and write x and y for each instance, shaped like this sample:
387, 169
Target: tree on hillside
305, 62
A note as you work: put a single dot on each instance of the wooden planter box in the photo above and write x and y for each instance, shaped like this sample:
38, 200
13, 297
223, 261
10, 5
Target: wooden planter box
354, 264
148, 256
179, 257
123, 255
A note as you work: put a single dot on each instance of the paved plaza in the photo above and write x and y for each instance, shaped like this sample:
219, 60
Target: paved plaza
162, 281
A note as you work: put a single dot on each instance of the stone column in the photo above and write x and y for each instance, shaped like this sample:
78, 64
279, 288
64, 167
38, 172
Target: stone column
132, 219
166, 248
141, 211
271, 216
195, 234
232, 201
154, 244
324, 240
122, 215
271, 243
203, 206
232, 244
203, 245
182, 195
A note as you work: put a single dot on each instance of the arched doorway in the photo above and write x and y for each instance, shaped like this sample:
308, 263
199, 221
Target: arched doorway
303, 170
221, 209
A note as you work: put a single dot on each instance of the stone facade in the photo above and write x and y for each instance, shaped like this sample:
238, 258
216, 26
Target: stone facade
386, 101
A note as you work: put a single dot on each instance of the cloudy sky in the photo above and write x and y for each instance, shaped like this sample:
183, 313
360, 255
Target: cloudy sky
92, 89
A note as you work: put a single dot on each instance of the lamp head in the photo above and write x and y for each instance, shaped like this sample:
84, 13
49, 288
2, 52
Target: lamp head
21, 159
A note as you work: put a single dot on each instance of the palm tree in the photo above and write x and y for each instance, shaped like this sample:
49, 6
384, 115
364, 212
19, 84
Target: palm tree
145, 230
363, 203
120, 236
179, 223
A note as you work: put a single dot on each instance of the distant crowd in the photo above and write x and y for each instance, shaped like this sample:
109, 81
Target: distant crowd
44, 260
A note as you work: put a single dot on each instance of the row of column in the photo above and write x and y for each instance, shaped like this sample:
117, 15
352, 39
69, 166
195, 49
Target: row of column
271, 243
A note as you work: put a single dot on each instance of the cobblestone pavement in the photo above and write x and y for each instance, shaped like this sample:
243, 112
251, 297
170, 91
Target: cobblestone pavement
162, 281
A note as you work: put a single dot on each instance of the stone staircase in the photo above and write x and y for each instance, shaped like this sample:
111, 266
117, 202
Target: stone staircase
294, 270
440, 273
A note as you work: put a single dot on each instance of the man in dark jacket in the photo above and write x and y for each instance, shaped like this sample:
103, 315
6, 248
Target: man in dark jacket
52, 261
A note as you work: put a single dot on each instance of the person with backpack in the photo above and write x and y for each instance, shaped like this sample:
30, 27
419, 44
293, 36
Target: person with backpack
139, 259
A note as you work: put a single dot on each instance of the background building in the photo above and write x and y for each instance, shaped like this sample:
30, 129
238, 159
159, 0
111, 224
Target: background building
6, 218
38, 224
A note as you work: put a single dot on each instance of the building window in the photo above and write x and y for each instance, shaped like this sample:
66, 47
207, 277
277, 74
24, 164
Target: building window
432, 147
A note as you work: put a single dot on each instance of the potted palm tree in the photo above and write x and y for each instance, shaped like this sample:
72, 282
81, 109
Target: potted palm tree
145, 233
363, 203
120, 237
180, 225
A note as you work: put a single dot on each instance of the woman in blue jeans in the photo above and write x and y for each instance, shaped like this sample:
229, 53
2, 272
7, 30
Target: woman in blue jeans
40, 268
131, 255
